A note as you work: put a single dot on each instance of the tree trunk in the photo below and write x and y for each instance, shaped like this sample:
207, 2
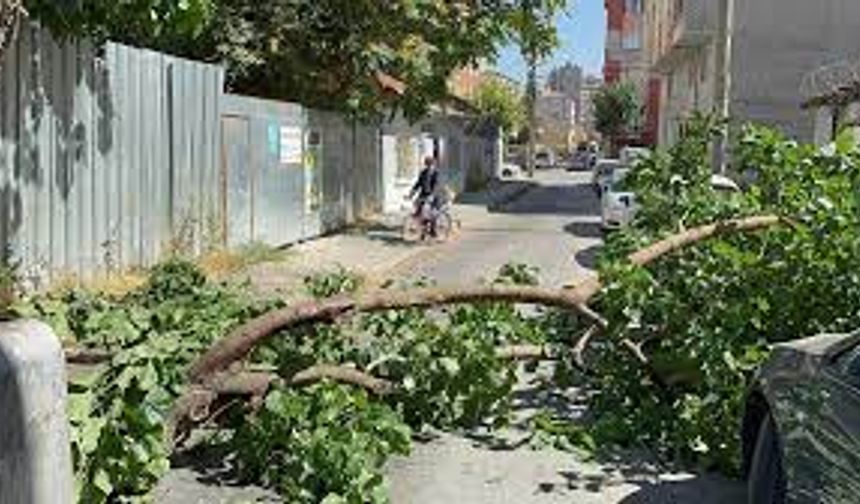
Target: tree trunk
531, 92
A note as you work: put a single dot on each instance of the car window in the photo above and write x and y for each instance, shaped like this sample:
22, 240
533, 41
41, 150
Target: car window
851, 365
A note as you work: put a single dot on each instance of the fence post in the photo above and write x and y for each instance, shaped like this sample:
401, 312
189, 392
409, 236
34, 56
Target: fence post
35, 454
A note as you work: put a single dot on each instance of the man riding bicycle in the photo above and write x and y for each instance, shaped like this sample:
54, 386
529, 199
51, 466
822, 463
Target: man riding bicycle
426, 187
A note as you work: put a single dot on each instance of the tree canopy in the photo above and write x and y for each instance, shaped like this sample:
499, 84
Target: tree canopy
322, 53
616, 110
167, 25
502, 104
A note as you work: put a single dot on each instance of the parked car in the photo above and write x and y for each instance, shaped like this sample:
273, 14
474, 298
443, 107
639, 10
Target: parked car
618, 207
602, 173
801, 428
630, 155
582, 160
511, 170
544, 160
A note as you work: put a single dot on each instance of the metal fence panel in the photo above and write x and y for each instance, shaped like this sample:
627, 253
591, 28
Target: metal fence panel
87, 179
272, 168
105, 162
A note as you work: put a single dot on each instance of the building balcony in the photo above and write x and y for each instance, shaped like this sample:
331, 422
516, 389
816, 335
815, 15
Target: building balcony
689, 25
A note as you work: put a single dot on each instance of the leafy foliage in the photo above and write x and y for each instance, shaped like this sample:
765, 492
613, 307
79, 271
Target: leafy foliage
168, 25
500, 103
322, 444
326, 442
704, 316
321, 53
616, 110
118, 413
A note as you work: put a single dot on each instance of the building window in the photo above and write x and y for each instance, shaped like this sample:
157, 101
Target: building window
632, 39
632, 26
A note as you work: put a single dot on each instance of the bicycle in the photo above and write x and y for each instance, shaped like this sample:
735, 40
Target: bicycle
419, 226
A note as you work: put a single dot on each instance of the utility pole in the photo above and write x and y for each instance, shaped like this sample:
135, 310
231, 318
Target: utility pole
723, 81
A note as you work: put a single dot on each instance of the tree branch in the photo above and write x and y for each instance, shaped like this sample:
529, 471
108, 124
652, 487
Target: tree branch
589, 288
242, 340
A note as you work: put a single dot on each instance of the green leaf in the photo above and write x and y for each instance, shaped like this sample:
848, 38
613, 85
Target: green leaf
102, 482
846, 141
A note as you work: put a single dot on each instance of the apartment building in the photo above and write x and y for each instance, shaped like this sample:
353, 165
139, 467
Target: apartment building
556, 114
585, 120
626, 61
744, 58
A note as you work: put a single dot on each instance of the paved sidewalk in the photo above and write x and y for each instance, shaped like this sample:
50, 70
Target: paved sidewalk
373, 250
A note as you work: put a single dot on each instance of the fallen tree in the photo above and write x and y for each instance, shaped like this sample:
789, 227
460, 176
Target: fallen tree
211, 371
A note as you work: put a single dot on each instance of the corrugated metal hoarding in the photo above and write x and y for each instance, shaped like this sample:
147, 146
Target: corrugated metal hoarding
105, 159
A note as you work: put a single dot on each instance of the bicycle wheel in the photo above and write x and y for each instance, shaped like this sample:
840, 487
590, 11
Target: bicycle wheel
444, 225
411, 230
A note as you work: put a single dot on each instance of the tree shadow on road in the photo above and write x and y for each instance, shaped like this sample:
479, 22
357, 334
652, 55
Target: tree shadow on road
652, 483
564, 199
582, 229
587, 257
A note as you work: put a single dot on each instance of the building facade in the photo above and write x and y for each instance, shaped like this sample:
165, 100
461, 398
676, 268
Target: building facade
565, 79
556, 118
586, 129
626, 60
744, 59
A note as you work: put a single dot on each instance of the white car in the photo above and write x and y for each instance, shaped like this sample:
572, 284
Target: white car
544, 160
602, 173
630, 155
511, 171
618, 208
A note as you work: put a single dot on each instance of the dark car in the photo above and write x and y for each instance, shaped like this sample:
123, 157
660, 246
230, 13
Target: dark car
582, 160
801, 429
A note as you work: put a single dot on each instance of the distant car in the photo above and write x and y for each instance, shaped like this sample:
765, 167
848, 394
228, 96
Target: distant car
725, 184
618, 207
582, 160
801, 427
602, 173
511, 170
544, 160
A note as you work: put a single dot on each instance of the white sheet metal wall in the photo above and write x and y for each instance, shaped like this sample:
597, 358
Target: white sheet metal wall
465, 153
263, 171
278, 201
102, 157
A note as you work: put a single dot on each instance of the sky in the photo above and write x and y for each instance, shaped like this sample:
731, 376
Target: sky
581, 32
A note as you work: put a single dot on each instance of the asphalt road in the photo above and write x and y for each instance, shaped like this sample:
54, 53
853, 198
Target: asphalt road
554, 226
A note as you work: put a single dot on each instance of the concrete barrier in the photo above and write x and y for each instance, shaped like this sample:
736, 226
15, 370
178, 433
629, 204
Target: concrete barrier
35, 454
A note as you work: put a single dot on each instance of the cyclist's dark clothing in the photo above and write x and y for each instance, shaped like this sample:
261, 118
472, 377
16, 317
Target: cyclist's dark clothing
426, 186
428, 182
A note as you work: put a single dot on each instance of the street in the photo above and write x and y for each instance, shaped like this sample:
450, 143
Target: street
554, 226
